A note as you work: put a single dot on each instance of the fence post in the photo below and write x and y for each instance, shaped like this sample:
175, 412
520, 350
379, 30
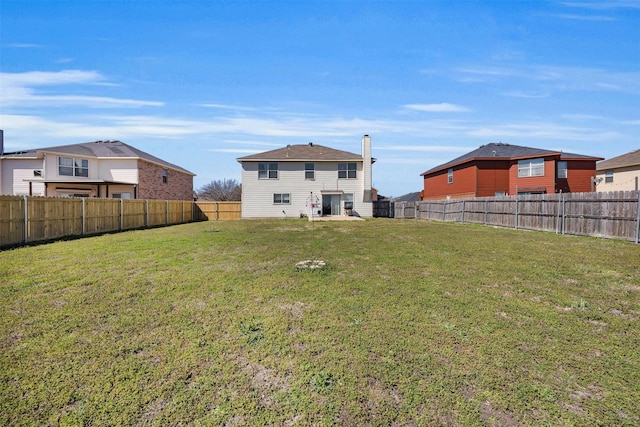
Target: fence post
217, 211
26, 220
166, 212
84, 230
444, 211
463, 205
558, 217
486, 210
146, 212
121, 215
564, 213
517, 213
638, 221
183, 211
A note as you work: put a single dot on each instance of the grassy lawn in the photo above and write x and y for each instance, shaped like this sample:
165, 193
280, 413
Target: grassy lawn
408, 323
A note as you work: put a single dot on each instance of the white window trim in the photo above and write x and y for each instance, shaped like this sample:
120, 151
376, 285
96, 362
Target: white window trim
347, 170
608, 176
311, 172
527, 167
268, 170
282, 198
564, 175
74, 166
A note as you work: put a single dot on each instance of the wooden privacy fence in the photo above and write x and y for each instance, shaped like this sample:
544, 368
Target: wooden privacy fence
25, 219
218, 211
612, 215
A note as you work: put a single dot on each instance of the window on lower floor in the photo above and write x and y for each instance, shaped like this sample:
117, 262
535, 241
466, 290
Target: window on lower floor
530, 167
121, 195
608, 176
348, 200
281, 198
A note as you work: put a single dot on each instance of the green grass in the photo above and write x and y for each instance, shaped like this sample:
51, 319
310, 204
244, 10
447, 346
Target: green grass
407, 323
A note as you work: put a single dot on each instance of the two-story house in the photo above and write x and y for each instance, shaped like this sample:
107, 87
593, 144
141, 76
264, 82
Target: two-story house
106, 169
307, 179
499, 169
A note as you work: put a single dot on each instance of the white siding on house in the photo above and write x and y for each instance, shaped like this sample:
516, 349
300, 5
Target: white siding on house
15, 176
257, 194
119, 170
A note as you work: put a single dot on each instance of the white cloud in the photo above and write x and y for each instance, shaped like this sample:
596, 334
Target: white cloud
603, 4
525, 94
19, 89
428, 148
24, 45
48, 78
559, 78
600, 18
437, 108
543, 132
233, 151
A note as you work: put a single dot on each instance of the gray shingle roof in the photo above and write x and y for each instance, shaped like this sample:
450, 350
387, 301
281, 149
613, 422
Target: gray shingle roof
302, 152
503, 151
625, 160
100, 149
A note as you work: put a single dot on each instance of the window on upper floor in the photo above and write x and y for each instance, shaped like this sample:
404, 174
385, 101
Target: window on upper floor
608, 176
69, 166
309, 171
268, 170
347, 170
450, 176
562, 170
530, 167
165, 176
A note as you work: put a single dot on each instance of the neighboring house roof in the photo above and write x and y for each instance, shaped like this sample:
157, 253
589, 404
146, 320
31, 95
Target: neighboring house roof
625, 160
503, 151
99, 150
302, 152
409, 197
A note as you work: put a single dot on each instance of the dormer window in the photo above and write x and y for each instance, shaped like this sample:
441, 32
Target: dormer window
69, 166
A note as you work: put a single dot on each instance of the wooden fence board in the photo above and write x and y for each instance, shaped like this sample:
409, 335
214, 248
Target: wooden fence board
217, 211
49, 218
613, 215
11, 220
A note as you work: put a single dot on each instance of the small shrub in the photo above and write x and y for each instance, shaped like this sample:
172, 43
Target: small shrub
252, 331
322, 382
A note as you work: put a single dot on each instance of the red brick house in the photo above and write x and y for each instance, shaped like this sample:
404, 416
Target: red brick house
499, 169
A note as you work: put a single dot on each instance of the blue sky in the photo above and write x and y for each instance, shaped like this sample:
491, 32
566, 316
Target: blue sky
202, 83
